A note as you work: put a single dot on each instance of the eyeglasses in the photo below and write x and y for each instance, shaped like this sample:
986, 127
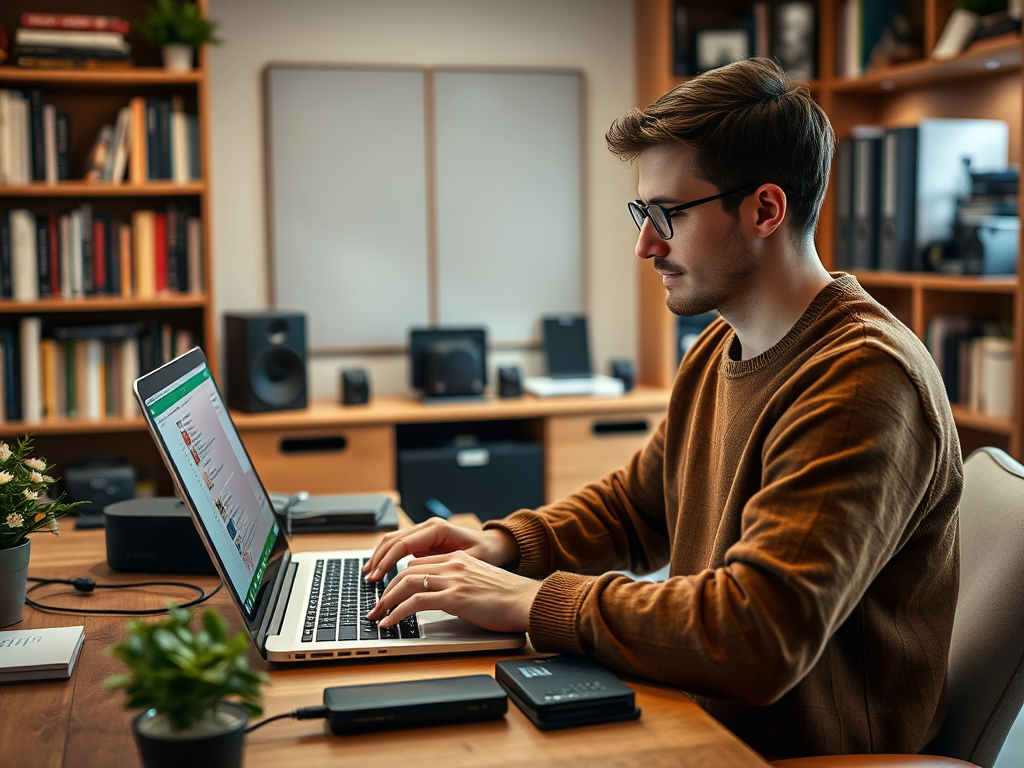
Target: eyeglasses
661, 217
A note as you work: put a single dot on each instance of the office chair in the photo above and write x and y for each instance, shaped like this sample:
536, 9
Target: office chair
986, 655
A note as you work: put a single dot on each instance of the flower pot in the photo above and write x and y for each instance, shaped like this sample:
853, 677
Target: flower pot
13, 581
177, 57
214, 743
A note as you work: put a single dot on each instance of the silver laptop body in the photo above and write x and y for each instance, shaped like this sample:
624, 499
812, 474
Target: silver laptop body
284, 597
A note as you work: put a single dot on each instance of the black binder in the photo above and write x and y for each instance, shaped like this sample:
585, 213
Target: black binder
896, 241
844, 205
867, 145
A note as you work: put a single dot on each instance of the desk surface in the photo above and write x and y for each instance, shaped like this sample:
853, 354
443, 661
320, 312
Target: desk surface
77, 722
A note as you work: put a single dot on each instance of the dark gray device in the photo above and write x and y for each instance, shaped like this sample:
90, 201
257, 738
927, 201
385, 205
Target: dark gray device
564, 691
567, 346
413, 703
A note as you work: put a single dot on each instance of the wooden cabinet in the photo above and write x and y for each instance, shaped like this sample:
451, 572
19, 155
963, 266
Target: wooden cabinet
977, 84
92, 98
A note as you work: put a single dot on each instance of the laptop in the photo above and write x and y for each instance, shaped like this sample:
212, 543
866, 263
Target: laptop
297, 606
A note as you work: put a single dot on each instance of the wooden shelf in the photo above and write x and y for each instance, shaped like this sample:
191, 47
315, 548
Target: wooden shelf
107, 78
105, 189
932, 281
965, 417
72, 427
102, 304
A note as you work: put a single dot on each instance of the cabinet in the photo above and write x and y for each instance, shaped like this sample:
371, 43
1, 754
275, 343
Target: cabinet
92, 98
976, 84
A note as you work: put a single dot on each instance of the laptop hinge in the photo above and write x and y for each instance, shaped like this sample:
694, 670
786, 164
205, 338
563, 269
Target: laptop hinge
271, 625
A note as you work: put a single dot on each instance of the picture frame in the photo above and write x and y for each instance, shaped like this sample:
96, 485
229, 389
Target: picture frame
716, 47
795, 36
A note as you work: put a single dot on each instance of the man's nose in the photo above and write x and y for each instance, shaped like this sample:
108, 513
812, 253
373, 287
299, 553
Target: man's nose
649, 243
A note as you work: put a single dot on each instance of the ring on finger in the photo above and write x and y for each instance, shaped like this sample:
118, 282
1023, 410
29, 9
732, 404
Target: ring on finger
426, 582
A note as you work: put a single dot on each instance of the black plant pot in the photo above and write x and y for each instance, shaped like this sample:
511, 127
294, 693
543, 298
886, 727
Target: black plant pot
218, 750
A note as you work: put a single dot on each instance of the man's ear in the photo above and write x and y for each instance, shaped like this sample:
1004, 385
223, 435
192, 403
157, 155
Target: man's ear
764, 210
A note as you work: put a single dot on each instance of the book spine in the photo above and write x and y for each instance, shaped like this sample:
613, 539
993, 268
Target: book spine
71, 379
66, 271
179, 141
53, 222
43, 255
48, 377
31, 373
88, 251
75, 253
111, 378
36, 140
99, 254
163, 132
144, 254
129, 373
24, 262
12, 376
75, 21
160, 251
6, 277
69, 52
113, 259
137, 165
195, 255
70, 38
62, 128
50, 143
176, 226
154, 171
194, 164
126, 260
6, 137
65, 62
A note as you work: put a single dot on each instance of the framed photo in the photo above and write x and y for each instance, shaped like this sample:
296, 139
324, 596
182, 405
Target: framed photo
794, 34
717, 47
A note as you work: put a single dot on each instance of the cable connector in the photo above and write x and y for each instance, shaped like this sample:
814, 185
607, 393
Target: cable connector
82, 584
304, 713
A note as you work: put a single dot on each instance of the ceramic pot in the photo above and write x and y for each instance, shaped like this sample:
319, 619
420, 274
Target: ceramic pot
219, 746
177, 57
13, 581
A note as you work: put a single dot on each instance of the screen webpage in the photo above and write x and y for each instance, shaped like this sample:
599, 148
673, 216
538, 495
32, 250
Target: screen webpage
215, 472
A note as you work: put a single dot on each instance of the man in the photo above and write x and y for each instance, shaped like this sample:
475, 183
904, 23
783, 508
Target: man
803, 486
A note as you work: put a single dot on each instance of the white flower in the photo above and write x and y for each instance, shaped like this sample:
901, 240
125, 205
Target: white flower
48, 479
5, 452
14, 520
5, 477
31, 495
50, 527
35, 477
35, 464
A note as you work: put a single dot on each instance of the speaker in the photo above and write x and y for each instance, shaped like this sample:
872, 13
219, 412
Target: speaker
510, 383
623, 369
355, 386
266, 356
154, 536
454, 368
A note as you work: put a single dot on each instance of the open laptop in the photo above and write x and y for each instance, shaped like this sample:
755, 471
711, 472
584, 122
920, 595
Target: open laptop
298, 606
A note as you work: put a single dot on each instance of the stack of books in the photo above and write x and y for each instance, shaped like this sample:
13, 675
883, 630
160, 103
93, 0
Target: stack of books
71, 41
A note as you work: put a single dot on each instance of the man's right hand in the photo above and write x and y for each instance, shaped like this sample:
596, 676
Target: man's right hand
437, 537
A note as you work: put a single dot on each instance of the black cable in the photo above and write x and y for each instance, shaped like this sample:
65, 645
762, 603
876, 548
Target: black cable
88, 586
305, 713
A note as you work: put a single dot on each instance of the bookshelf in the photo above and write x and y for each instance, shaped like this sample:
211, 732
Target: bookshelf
92, 98
978, 84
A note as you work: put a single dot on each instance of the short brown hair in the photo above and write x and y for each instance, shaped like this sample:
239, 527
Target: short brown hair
748, 124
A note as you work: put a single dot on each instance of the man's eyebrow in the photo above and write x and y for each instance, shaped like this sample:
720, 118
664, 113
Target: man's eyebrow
668, 202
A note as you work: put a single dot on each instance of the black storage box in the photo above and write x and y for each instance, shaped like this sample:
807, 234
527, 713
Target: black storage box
487, 479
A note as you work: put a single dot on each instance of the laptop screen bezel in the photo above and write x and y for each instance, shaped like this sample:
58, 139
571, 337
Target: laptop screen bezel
151, 384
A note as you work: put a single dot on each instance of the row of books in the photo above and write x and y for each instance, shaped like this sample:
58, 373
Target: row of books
35, 139
71, 41
80, 371
95, 253
898, 190
975, 358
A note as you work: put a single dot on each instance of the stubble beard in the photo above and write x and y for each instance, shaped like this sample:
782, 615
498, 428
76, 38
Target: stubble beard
733, 266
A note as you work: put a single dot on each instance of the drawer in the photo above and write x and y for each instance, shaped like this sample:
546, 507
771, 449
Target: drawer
581, 449
324, 460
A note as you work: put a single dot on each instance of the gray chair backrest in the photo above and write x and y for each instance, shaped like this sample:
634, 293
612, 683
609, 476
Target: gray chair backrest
986, 657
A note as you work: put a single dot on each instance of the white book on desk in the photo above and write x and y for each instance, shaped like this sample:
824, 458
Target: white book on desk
39, 654
598, 385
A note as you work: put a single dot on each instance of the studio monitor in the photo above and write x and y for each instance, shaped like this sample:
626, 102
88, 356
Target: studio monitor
510, 383
623, 370
266, 361
448, 362
355, 386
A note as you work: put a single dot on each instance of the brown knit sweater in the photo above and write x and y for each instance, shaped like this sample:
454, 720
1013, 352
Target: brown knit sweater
806, 501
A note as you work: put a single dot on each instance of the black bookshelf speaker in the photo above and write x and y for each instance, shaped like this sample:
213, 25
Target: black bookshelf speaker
623, 369
510, 382
455, 368
266, 361
355, 386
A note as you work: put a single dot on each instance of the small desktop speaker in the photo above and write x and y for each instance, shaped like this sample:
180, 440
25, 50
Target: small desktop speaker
510, 383
454, 368
154, 535
623, 369
266, 361
355, 386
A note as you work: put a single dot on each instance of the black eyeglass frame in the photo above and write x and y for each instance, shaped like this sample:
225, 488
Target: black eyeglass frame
641, 209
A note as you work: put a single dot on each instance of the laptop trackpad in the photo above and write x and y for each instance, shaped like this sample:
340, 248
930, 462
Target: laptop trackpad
438, 625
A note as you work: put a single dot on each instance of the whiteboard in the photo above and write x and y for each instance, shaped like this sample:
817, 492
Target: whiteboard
401, 198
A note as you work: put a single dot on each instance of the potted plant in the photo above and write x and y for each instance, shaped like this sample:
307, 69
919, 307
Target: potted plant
178, 28
24, 509
195, 689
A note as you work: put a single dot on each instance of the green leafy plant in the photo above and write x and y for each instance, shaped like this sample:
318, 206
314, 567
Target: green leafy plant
24, 505
184, 674
169, 22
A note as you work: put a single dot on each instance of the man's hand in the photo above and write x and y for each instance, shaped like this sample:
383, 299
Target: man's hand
436, 537
463, 586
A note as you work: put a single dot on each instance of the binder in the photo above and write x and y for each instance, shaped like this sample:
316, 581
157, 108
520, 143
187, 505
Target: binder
867, 145
844, 205
898, 193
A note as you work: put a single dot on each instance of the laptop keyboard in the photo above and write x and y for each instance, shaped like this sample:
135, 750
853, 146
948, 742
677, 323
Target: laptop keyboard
340, 600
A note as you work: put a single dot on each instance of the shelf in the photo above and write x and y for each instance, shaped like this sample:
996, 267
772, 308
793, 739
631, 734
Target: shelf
997, 59
936, 282
966, 417
101, 303
105, 189
105, 78
72, 426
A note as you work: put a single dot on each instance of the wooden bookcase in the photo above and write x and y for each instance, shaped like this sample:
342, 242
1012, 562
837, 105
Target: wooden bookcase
978, 84
92, 99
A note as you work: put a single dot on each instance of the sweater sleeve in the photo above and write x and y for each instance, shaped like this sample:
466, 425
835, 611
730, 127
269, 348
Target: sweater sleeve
844, 476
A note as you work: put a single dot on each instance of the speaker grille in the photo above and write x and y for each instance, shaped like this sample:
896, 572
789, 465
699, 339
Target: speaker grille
278, 376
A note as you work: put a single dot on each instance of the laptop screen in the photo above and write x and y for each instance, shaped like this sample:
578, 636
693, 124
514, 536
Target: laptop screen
213, 468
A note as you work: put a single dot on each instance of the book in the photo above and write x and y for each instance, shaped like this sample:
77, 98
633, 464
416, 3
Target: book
125, 260
6, 137
160, 251
62, 125
110, 41
48, 352
956, 34
194, 256
867, 141
177, 255
898, 192
119, 156
75, 21
87, 270
129, 373
37, 144
75, 262
996, 374
66, 62
68, 52
844, 204
144, 253
24, 261
50, 144
180, 155
6, 285
12, 375
100, 234
66, 288
97, 158
39, 654
137, 167
43, 255
31, 370
53, 224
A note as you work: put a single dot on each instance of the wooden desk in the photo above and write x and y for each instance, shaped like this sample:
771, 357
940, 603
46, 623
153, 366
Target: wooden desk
77, 723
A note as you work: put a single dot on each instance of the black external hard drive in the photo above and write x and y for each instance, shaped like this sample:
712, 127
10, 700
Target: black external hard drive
411, 703
564, 691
